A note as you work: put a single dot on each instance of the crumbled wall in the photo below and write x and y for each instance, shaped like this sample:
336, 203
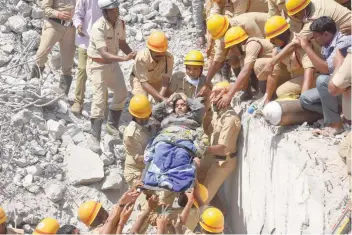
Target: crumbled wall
287, 181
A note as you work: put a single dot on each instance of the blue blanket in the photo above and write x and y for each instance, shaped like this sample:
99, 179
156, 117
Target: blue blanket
171, 166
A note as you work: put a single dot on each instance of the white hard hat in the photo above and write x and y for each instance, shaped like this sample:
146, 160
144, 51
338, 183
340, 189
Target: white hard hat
273, 113
108, 4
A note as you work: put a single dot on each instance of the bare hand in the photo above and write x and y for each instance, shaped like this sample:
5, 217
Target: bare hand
217, 94
205, 91
190, 195
131, 56
267, 70
197, 161
63, 15
79, 31
162, 221
224, 101
153, 202
129, 197
178, 225
126, 213
303, 41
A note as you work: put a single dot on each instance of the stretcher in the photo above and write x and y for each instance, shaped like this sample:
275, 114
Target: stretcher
157, 188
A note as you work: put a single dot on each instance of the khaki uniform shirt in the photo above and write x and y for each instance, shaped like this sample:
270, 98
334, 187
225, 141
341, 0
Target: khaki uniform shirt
14, 231
223, 7
256, 48
52, 7
135, 139
226, 126
341, 15
251, 23
148, 70
103, 34
179, 84
243, 6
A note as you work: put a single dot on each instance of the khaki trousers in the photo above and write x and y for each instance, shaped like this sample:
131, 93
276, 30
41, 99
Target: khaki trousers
51, 34
104, 76
132, 175
81, 76
291, 87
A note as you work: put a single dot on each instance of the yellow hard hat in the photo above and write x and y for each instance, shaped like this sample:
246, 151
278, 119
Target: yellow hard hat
217, 26
295, 6
3, 216
88, 211
47, 226
234, 36
194, 57
203, 192
157, 41
223, 84
212, 220
275, 26
140, 106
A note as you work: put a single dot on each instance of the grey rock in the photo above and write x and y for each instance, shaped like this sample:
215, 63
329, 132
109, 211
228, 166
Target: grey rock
23, 8
78, 137
119, 152
155, 5
140, 18
123, 11
151, 15
27, 229
139, 36
36, 149
34, 170
127, 18
134, 18
172, 19
4, 16
17, 24
168, 9
55, 191
37, 23
83, 166
8, 48
27, 181
55, 60
140, 9
107, 158
56, 129
21, 118
21, 162
37, 13
149, 26
5, 28
29, 37
113, 180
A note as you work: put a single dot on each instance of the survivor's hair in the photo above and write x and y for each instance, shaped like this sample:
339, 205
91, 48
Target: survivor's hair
66, 229
323, 24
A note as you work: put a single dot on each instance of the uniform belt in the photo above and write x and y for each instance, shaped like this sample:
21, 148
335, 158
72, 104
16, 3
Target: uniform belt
62, 22
100, 60
223, 158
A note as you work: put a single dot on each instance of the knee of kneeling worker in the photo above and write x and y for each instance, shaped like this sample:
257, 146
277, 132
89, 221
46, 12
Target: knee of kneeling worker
322, 81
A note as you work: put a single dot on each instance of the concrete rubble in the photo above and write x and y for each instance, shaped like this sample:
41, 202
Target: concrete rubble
290, 182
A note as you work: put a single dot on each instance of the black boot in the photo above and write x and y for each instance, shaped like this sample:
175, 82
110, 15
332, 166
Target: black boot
36, 71
94, 143
65, 83
112, 125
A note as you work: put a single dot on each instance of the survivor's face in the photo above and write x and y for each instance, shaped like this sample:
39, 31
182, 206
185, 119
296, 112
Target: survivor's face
193, 71
157, 55
181, 106
323, 39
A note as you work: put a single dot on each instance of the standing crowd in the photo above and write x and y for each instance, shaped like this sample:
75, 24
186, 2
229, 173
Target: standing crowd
182, 141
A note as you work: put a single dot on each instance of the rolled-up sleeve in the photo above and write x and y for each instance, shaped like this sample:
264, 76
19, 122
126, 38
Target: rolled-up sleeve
80, 13
48, 10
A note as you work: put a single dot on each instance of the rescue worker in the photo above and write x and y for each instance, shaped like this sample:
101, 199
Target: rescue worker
4, 229
191, 82
212, 221
94, 216
136, 137
306, 11
254, 54
107, 36
57, 27
87, 12
299, 66
220, 159
239, 7
47, 226
217, 26
152, 68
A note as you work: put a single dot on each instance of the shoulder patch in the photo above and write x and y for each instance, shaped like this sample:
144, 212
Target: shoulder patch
130, 129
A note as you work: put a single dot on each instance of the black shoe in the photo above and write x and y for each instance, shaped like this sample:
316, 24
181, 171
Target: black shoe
112, 125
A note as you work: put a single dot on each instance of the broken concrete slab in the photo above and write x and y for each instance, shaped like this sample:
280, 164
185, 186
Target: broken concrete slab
56, 129
55, 191
21, 118
113, 180
83, 165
